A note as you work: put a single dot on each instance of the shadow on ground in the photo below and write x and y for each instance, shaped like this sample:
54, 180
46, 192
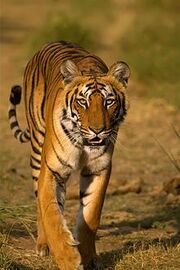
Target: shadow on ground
163, 216
110, 258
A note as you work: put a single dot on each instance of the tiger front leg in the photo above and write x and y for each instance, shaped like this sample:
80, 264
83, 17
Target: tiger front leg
92, 193
51, 192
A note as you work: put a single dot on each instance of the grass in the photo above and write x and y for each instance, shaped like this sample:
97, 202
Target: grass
17, 239
138, 240
154, 257
151, 47
146, 230
144, 256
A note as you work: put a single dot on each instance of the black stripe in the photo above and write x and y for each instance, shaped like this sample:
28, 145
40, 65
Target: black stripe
44, 67
71, 101
17, 133
34, 167
36, 140
26, 135
33, 81
66, 132
72, 140
37, 151
57, 138
83, 194
89, 88
35, 178
37, 78
31, 111
99, 62
81, 95
42, 107
87, 174
43, 101
23, 134
31, 107
47, 49
57, 175
63, 162
41, 132
115, 92
41, 122
64, 114
36, 193
101, 84
21, 137
14, 124
72, 58
67, 98
36, 160
61, 205
90, 84
11, 113
53, 53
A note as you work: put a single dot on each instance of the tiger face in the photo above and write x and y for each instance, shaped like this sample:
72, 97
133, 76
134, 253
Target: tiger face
97, 104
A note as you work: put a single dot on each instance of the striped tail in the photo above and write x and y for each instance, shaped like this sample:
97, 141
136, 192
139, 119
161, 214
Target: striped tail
15, 98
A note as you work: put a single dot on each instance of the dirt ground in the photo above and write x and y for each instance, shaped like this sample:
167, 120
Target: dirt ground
142, 203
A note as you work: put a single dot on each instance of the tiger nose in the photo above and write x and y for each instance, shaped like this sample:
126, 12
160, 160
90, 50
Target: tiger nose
96, 130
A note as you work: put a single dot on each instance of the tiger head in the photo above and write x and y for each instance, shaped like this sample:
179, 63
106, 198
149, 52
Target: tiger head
95, 104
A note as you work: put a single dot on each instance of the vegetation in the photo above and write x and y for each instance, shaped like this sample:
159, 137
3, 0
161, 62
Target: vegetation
150, 44
62, 27
151, 47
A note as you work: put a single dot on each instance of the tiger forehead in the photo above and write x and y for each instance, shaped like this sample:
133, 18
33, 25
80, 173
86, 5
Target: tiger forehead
95, 86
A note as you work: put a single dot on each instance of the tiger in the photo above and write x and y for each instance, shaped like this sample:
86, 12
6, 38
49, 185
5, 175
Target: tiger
74, 106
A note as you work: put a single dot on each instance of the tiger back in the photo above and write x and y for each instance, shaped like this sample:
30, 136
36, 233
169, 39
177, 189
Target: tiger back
74, 107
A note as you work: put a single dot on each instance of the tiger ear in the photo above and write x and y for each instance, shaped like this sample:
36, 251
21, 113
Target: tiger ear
120, 71
69, 71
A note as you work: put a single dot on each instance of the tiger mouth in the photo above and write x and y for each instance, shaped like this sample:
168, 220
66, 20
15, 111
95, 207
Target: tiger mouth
96, 141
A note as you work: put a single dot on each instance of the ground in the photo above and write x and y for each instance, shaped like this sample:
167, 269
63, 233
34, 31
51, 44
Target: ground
140, 220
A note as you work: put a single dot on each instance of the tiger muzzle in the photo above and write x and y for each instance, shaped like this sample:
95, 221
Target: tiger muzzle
96, 141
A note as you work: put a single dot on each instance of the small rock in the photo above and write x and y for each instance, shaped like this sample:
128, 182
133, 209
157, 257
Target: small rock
172, 186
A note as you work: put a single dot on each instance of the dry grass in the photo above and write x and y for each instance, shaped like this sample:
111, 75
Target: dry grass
154, 257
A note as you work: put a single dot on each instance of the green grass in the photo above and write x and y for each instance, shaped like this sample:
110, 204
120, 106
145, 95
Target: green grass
151, 47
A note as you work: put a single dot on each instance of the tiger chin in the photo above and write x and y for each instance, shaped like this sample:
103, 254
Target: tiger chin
74, 107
